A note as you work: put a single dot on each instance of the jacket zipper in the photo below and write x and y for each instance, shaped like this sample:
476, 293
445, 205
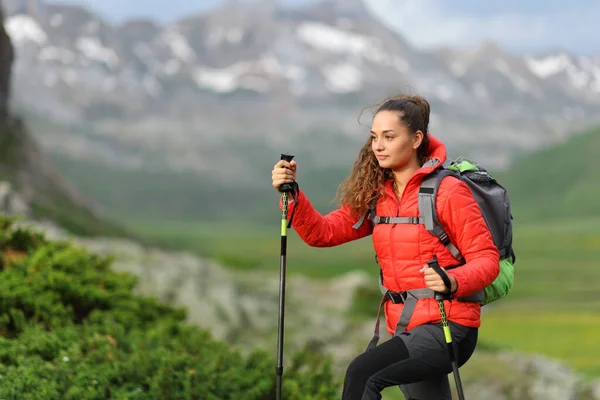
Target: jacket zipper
398, 206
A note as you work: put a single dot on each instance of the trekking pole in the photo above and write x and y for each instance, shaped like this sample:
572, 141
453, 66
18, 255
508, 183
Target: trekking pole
284, 189
440, 297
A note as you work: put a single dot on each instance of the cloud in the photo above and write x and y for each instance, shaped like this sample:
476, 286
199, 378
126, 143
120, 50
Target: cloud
431, 23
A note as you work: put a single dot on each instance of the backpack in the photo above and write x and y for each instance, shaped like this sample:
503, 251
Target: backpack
494, 204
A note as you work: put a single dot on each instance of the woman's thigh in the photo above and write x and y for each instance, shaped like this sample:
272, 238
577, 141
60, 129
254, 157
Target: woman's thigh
437, 387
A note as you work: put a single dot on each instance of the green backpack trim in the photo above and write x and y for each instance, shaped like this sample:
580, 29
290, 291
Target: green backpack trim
502, 284
461, 165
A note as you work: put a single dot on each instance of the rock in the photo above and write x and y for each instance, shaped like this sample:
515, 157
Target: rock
11, 202
239, 307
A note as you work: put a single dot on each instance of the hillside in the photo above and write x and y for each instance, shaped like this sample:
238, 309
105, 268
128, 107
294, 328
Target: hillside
561, 181
46, 193
73, 328
82, 325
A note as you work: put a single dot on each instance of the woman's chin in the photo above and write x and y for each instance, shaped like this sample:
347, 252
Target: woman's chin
385, 163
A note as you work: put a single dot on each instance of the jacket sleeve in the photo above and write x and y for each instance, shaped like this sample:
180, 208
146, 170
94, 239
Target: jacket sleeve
330, 230
469, 232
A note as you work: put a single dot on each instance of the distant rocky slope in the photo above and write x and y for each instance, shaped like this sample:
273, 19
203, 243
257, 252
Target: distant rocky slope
141, 94
23, 163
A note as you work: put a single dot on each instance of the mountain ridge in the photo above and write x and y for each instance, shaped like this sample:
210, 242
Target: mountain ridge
171, 96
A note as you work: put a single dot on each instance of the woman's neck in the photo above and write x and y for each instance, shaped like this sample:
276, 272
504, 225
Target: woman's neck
401, 176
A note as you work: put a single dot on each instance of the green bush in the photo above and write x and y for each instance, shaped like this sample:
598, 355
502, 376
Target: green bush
72, 328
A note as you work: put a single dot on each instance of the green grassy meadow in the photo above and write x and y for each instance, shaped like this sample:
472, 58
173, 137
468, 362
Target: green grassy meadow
554, 308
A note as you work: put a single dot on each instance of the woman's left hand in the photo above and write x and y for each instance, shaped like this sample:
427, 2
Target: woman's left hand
434, 282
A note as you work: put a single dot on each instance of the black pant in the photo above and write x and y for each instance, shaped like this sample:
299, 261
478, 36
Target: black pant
417, 361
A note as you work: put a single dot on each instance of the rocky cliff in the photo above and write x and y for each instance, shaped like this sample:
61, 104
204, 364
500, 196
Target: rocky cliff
7, 56
24, 164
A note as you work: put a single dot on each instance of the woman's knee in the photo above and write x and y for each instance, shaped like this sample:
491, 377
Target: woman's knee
357, 368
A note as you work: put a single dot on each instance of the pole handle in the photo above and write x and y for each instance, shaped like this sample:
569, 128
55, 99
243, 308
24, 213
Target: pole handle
286, 187
436, 267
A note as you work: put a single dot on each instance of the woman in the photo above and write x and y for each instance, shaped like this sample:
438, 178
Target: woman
389, 169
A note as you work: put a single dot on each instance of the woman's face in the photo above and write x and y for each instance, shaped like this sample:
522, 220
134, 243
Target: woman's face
391, 141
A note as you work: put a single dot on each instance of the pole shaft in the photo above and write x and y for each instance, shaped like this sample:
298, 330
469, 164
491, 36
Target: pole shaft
282, 276
448, 336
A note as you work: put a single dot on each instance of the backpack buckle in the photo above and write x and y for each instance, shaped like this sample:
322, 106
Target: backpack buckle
384, 220
444, 238
414, 220
396, 297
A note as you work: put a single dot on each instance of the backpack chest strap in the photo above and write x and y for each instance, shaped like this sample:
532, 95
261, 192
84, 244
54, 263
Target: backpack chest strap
436, 229
397, 220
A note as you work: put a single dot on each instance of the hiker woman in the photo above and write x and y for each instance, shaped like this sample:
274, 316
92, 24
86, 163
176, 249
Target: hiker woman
389, 169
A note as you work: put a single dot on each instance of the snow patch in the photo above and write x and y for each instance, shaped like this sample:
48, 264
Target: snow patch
517, 80
23, 28
339, 41
60, 54
178, 45
251, 75
218, 80
548, 66
582, 72
332, 39
222, 35
93, 49
343, 78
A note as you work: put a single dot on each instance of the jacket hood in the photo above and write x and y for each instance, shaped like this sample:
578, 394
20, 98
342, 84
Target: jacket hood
436, 155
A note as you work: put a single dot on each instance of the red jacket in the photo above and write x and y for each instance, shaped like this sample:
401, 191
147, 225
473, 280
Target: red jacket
402, 250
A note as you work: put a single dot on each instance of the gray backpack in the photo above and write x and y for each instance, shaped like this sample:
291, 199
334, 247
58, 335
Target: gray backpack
494, 203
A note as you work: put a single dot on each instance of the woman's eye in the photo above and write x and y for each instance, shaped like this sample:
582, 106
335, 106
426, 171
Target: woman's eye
389, 137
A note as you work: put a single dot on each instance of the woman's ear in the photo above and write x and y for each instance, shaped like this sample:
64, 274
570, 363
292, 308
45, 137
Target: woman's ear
417, 139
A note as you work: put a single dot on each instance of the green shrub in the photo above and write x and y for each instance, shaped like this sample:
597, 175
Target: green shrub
71, 328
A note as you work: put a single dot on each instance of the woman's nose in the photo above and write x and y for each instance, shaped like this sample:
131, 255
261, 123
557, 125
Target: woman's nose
378, 144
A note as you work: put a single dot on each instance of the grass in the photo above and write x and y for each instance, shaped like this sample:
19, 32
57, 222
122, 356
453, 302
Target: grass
562, 334
554, 308
258, 247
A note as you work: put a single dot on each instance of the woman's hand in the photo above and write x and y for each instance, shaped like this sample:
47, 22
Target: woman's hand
283, 172
434, 282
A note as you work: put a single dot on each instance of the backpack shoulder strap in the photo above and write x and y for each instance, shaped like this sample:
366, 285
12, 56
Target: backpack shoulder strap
427, 211
369, 214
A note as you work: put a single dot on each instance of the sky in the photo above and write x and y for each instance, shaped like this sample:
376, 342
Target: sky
520, 26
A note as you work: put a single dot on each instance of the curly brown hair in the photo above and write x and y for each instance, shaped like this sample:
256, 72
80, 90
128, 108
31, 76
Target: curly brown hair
365, 182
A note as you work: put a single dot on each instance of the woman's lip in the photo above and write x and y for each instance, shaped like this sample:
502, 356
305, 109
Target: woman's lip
381, 157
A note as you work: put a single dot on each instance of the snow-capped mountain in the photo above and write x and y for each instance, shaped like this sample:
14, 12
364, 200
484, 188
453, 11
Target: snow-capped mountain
174, 92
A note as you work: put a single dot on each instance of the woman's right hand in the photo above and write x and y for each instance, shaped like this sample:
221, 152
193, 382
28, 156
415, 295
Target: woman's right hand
283, 172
